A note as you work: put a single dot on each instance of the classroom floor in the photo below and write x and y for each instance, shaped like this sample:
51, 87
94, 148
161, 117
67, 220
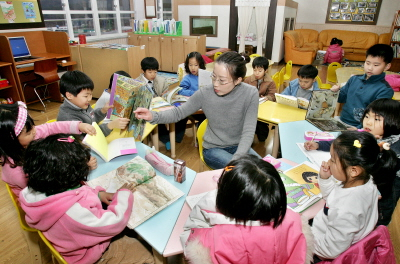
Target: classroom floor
13, 246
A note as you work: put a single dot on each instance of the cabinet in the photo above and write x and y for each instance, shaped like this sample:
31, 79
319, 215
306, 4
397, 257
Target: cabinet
7, 71
395, 42
170, 51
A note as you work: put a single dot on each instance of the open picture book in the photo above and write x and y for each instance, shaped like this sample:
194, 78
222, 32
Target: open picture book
153, 193
292, 101
108, 151
170, 98
126, 95
301, 184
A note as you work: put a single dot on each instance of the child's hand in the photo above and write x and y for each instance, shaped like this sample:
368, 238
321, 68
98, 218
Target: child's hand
120, 123
308, 145
325, 170
106, 107
87, 128
335, 88
143, 113
106, 197
92, 163
129, 186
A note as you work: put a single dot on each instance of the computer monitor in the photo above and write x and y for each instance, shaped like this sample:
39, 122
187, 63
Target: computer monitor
19, 47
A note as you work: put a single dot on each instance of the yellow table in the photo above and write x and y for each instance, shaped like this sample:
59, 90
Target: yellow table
274, 114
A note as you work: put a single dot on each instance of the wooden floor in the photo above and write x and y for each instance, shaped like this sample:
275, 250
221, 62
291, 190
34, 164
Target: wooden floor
13, 247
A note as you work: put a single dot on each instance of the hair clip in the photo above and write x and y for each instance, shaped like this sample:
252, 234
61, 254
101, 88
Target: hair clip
243, 58
69, 139
229, 168
357, 143
384, 145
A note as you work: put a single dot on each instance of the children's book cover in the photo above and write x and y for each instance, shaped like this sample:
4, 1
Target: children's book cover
153, 193
168, 99
301, 184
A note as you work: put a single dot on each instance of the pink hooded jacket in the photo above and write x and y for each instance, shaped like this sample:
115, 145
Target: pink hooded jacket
75, 222
15, 177
333, 54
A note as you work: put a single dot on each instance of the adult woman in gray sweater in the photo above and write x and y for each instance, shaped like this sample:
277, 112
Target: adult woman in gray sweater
230, 106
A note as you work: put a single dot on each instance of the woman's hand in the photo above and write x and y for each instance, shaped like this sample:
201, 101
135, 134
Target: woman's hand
87, 128
143, 113
325, 170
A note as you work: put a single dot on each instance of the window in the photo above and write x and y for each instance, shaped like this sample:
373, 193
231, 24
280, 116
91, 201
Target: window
164, 9
94, 18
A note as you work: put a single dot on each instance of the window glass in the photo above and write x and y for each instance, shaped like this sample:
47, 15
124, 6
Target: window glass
108, 24
51, 5
107, 5
79, 5
167, 6
127, 22
55, 22
126, 5
83, 24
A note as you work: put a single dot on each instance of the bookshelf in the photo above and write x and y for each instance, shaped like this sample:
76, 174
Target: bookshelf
395, 42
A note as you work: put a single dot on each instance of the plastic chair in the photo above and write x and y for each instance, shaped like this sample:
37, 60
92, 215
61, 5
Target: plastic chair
331, 76
54, 253
46, 70
322, 85
200, 133
254, 55
281, 74
31, 235
216, 55
192, 122
288, 71
51, 121
275, 78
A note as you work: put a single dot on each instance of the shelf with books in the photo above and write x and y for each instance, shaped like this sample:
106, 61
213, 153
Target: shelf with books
395, 42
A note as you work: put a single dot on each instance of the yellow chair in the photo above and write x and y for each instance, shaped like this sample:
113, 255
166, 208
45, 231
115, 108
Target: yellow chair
31, 235
275, 78
54, 253
331, 76
322, 85
200, 133
288, 71
216, 55
51, 120
254, 55
281, 74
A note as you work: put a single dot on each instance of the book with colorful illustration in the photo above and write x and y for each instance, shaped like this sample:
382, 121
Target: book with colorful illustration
126, 95
292, 101
168, 99
153, 193
301, 184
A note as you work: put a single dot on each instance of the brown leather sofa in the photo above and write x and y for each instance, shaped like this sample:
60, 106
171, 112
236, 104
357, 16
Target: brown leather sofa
301, 45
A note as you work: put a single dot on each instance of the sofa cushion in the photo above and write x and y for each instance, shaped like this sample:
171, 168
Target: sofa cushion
351, 39
359, 51
309, 35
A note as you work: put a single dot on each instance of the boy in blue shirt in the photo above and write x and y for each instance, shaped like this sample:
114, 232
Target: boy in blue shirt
361, 90
305, 84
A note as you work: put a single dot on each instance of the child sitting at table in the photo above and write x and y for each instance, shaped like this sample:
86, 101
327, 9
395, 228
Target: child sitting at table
70, 213
361, 90
334, 53
158, 86
266, 88
246, 220
382, 120
348, 183
305, 84
190, 83
77, 87
17, 131
105, 96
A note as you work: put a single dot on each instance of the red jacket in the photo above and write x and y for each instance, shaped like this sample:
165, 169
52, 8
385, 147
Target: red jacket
333, 54
376, 248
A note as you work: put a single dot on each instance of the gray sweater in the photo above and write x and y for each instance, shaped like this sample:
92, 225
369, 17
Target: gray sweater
70, 112
231, 118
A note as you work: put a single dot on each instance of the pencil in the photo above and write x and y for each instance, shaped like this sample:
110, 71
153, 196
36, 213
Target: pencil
312, 140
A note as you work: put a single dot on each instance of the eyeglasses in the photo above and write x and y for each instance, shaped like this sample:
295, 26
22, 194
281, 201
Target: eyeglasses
221, 82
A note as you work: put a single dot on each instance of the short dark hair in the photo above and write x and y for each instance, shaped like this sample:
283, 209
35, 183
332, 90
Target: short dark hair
260, 62
383, 51
74, 82
198, 58
307, 174
381, 164
124, 73
252, 191
9, 143
55, 166
235, 63
149, 63
389, 109
307, 72
336, 41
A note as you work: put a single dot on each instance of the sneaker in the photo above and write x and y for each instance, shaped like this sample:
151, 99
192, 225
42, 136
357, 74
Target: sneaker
168, 145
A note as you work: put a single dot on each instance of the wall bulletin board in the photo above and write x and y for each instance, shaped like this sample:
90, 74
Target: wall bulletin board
364, 12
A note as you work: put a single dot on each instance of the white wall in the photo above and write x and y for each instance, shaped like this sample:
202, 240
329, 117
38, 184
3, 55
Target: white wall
222, 11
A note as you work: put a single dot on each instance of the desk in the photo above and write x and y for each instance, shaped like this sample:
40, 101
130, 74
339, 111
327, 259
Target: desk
274, 114
156, 230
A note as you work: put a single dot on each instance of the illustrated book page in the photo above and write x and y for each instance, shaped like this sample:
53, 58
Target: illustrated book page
291, 101
301, 184
108, 151
153, 193
169, 99
322, 104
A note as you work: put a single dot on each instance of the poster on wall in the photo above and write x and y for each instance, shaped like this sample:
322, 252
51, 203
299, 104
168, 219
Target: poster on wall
363, 12
20, 14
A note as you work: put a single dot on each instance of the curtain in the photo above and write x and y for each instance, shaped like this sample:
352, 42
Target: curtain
261, 23
244, 15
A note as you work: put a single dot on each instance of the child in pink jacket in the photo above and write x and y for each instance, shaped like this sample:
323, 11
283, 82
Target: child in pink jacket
70, 214
246, 220
17, 130
334, 53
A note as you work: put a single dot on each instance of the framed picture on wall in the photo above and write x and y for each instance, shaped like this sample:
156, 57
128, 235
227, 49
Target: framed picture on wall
363, 12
